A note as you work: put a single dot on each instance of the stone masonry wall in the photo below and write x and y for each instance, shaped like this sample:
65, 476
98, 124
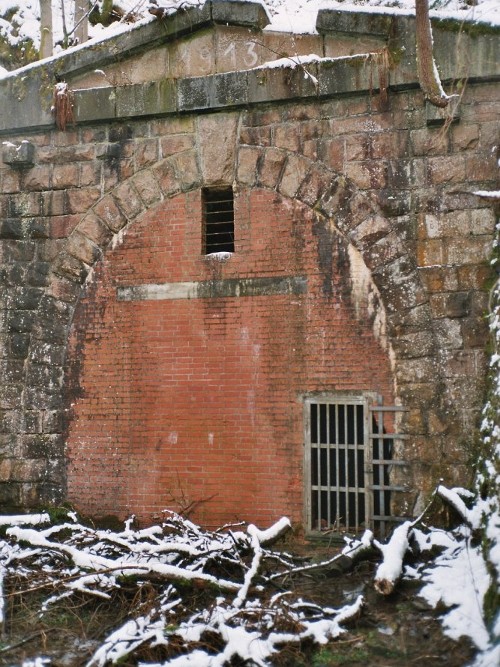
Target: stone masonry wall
394, 189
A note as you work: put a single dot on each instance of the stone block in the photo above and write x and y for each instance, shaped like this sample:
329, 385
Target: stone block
62, 288
371, 230
313, 186
248, 157
128, 200
42, 446
439, 278
282, 83
475, 333
82, 248
294, 173
18, 155
80, 200
194, 93
414, 345
13, 228
229, 89
94, 229
384, 250
53, 422
94, 104
187, 170
431, 252
393, 203
474, 277
353, 23
146, 99
353, 74
449, 169
19, 345
368, 174
439, 116
71, 268
232, 12
37, 178
473, 250
429, 142
453, 304
216, 134
448, 333
194, 55
28, 470
27, 298
166, 177
416, 370
10, 494
107, 209
464, 137
176, 143
65, 176
21, 321
147, 187
287, 136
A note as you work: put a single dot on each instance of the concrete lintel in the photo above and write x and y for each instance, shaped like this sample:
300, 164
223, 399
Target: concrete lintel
211, 289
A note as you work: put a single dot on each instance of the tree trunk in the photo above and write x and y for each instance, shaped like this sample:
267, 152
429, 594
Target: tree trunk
46, 38
81, 20
428, 76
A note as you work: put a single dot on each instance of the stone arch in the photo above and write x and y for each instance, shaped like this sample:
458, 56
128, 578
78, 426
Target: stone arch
337, 205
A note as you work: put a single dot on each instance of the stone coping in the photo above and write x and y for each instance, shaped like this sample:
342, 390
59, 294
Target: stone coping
27, 97
228, 90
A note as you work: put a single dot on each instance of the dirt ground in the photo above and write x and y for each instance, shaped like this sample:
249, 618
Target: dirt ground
395, 631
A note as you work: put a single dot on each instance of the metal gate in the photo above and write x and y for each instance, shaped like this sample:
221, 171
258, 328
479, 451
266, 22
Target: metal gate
349, 458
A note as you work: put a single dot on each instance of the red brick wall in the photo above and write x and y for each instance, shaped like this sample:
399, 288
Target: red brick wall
179, 401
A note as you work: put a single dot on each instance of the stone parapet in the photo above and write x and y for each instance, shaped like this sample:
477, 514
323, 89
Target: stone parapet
209, 57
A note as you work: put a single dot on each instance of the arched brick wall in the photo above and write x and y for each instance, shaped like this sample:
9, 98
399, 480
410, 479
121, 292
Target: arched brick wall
92, 185
198, 402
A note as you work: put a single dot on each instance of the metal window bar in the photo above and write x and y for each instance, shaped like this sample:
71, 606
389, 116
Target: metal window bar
218, 219
336, 439
382, 438
349, 462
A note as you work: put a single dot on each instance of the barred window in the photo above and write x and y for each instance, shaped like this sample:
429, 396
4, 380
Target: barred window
218, 220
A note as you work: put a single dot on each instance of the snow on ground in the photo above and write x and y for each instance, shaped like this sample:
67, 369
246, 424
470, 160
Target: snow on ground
247, 621
243, 615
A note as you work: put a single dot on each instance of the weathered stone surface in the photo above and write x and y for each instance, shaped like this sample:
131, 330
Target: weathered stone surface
94, 229
110, 214
216, 138
20, 155
294, 173
82, 248
334, 21
249, 14
271, 167
247, 165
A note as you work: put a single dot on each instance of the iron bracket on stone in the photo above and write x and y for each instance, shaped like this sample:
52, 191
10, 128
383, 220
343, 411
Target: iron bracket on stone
18, 155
